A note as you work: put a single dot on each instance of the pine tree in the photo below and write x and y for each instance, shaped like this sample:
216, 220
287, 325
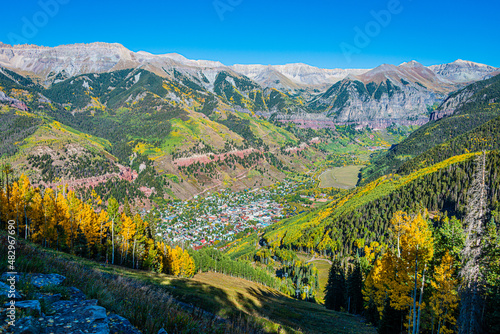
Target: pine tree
492, 263
354, 289
390, 323
335, 289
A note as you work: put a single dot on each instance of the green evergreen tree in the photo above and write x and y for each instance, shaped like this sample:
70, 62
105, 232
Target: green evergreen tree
335, 289
391, 322
354, 289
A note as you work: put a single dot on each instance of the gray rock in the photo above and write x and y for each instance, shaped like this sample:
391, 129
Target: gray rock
5, 291
77, 317
76, 294
64, 306
33, 305
4, 277
120, 325
41, 280
47, 298
94, 312
27, 325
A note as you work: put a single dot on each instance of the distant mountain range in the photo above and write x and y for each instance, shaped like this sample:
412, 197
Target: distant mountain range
86, 112
386, 93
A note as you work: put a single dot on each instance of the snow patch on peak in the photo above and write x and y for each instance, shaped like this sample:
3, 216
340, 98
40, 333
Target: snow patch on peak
412, 63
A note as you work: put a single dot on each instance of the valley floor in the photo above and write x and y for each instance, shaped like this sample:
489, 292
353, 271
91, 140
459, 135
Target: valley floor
340, 177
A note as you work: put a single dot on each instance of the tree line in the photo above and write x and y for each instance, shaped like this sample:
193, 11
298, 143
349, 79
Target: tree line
110, 232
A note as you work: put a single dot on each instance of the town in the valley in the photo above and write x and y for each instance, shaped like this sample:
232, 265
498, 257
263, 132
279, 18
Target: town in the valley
220, 216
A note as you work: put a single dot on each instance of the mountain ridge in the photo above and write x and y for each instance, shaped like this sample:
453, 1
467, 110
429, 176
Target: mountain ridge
405, 94
299, 73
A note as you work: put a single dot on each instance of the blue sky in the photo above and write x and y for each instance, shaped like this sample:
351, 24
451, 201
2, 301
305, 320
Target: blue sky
324, 33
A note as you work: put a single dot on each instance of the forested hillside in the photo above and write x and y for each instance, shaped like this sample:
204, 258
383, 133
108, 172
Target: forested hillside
363, 215
475, 105
484, 137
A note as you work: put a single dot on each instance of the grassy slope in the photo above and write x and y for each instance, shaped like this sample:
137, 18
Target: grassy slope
228, 296
273, 135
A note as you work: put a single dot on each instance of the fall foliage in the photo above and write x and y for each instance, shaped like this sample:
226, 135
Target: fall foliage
61, 220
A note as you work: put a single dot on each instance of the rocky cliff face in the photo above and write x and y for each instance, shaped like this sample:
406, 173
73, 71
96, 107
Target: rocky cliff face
64, 61
452, 102
386, 92
322, 121
55, 64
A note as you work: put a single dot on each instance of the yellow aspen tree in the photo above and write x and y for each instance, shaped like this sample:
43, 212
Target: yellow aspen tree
165, 256
444, 299
372, 251
127, 232
418, 244
399, 224
16, 204
104, 223
139, 236
49, 232
187, 265
374, 289
36, 213
175, 263
113, 207
95, 200
74, 208
89, 224
63, 216
400, 273
27, 196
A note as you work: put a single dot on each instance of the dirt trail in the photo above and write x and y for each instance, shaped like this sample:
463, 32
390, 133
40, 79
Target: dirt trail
315, 259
